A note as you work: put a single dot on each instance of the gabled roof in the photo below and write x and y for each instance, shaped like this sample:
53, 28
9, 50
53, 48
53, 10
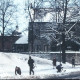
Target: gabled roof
22, 40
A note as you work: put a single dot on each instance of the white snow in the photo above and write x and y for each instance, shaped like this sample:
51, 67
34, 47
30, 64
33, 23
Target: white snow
22, 40
43, 67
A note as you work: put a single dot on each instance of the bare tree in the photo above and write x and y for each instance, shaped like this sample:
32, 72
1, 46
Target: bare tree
63, 11
7, 10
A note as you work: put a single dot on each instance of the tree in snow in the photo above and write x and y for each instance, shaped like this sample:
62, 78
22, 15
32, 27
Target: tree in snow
62, 12
7, 10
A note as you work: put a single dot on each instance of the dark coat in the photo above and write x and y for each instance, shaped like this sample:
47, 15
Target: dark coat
73, 61
54, 62
31, 63
59, 67
17, 70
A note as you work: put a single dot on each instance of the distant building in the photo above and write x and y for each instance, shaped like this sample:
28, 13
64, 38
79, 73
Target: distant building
42, 35
21, 45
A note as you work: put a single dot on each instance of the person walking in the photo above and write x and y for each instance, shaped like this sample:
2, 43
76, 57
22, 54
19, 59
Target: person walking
73, 62
54, 62
31, 65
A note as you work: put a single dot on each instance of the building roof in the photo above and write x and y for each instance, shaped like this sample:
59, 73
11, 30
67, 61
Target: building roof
22, 40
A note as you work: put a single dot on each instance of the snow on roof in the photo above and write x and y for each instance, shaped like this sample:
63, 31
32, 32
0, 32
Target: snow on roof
22, 40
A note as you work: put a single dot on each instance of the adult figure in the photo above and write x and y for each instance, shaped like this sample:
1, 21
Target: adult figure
17, 70
31, 65
73, 62
54, 62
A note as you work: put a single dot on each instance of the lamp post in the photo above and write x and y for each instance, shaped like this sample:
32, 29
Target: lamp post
32, 36
60, 54
3, 33
63, 48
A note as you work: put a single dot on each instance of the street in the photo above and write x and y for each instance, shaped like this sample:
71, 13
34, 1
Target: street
73, 75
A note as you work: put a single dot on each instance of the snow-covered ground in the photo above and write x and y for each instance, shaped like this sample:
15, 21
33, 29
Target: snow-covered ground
43, 67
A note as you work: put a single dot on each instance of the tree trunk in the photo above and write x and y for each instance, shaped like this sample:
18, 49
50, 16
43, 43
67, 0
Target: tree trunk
63, 34
3, 35
63, 48
65, 12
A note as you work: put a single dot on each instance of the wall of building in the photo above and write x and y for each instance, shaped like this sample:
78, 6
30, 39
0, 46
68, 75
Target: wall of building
42, 34
20, 48
38, 35
8, 42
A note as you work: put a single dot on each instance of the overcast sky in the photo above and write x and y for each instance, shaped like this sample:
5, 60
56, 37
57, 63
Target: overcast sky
21, 15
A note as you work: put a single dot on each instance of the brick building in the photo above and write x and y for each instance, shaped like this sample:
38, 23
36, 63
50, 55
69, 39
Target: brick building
8, 42
41, 35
